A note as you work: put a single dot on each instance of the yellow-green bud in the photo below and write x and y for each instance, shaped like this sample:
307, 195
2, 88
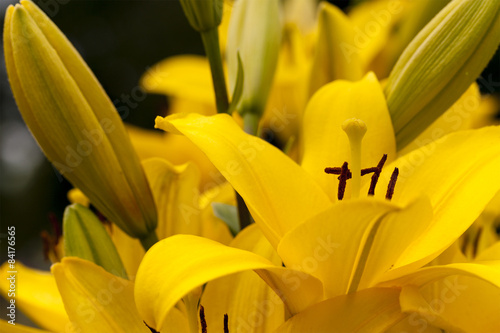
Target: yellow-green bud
74, 121
440, 64
85, 237
203, 15
255, 32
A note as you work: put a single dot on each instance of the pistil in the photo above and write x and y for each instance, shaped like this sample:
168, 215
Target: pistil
355, 130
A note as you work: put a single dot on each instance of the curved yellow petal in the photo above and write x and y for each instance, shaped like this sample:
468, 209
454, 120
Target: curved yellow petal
373, 23
176, 265
354, 242
175, 190
271, 184
337, 56
488, 271
459, 174
130, 250
177, 150
187, 77
454, 303
96, 301
370, 310
250, 303
36, 295
396, 234
327, 145
5, 327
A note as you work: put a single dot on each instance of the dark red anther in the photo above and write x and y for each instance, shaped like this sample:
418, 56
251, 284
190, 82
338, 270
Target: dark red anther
150, 328
226, 323
203, 322
376, 174
344, 175
392, 184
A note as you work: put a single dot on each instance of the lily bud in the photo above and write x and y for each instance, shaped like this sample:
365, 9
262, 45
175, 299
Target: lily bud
73, 120
203, 15
441, 62
254, 33
85, 237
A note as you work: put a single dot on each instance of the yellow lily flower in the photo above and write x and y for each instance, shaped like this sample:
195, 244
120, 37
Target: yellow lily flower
383, 243
57, 94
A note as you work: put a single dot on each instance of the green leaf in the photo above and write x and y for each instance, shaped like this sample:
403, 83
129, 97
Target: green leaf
85, 237
228, 214
238, 87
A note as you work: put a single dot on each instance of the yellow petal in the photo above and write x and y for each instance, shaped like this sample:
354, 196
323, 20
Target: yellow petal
175, 190
327, 145
187, 77
5, 327
454, 303
487, 271
336, 246
129, 249
36, 295
271, 184
178, 264
76, 196
177, 150
459, 174
336, 57
372, 24
83, 131
375, 243
96, 301
249, 302
371, 310
396, 234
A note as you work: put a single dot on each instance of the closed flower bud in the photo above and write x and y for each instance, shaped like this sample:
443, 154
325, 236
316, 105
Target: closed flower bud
441, 62
85, 237
73, 120
203, 15
254, 33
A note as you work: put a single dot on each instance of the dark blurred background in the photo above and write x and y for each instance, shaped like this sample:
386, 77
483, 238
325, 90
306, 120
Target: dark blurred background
119, 40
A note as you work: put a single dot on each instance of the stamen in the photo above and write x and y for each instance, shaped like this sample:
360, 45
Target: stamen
226, 323
376, 175
343, 180
355, 130
203, 322
392, 184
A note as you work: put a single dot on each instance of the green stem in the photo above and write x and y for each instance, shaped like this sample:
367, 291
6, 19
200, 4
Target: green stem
251, 123
212, 49
149, 240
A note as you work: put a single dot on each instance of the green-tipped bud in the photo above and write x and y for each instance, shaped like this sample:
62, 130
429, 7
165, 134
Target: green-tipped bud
85, 237
203, 15
440, 64
73, 120
254, 32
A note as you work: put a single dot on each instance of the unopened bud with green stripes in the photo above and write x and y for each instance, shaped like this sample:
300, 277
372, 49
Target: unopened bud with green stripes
441, 62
